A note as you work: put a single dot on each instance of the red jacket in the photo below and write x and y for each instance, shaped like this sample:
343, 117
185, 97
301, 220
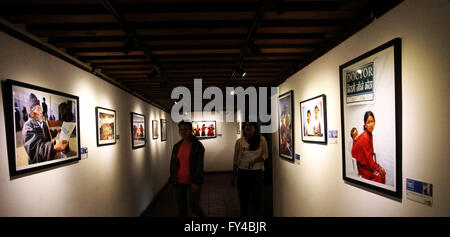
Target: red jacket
362, 151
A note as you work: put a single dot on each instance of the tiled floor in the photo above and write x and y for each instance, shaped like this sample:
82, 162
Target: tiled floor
218, 199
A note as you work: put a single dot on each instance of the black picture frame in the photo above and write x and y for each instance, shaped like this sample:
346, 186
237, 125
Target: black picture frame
138, 126
372, 82
155, 129
286, 135
113, 141
163, 130
317, 106
17, 93
200, 133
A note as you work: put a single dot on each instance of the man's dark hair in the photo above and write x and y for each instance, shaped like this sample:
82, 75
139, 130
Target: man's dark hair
187, 123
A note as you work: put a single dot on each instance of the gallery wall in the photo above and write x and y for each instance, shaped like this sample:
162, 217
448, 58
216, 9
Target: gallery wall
314, 186
114, 180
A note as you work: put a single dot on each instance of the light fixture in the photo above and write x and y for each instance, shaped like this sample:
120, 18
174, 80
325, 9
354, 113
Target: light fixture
240, 72
359, 71
232, 93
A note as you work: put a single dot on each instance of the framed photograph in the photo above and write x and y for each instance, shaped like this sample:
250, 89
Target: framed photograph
286, 123
155, 129
163, 130
204, 129
42, 126
106, 126
370, 91
313, 113
138, 130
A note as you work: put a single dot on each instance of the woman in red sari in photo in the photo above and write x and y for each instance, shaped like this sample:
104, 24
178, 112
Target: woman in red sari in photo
364, 154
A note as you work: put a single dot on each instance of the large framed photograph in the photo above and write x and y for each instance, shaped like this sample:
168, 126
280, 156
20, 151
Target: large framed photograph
106, 126
42, 127
163, 130
155, 129
286, 123
204, 129
370, 91
313, 113
138, 130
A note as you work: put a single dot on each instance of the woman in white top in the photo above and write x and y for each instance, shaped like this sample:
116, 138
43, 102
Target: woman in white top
250, 152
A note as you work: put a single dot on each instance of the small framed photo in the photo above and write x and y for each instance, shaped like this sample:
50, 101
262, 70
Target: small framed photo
371, 119
138, 130
106, 126
155, 129
204, 129
163, 130
42, 127
313, 113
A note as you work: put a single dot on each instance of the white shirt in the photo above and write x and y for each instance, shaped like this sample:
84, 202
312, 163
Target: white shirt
243, 156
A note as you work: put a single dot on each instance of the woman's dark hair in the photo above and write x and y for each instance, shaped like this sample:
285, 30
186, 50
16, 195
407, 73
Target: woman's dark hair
366, 116
187, 123
255, 140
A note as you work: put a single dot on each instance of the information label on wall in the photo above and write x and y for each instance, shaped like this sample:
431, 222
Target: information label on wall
419, 191
332, 136
84, 152
297, 159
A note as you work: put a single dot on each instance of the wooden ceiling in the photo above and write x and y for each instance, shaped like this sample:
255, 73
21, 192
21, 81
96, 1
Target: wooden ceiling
176, 41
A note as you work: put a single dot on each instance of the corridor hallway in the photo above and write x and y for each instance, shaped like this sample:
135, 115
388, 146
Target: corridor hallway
218, 199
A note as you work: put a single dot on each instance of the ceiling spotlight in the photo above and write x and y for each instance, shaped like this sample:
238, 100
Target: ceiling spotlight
240, 72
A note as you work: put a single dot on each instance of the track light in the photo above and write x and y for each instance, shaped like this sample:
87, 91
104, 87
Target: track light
130, 44
240, 72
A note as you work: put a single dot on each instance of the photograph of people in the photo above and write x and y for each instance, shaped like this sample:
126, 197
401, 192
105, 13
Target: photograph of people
196, 130
309, 127
203, 134
106, 126
210, 130
286, 147
363, 152
38, 139
155, 129
316, 123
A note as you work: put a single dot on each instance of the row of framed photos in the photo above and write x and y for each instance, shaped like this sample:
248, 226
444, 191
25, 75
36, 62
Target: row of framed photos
370, 102
43, 127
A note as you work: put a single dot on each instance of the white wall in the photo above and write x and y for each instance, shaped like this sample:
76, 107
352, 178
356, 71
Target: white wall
115, 180
219, 151
315, 187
